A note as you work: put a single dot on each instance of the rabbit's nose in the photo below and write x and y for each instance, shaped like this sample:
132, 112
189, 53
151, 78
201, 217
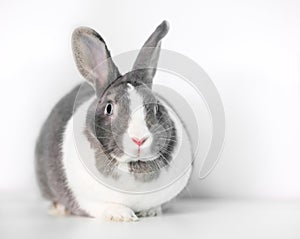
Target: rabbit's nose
139, 142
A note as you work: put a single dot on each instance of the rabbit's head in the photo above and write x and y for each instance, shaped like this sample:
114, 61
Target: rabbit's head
128, 120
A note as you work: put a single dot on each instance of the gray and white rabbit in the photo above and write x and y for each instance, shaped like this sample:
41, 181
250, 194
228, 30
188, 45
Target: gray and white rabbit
128, 133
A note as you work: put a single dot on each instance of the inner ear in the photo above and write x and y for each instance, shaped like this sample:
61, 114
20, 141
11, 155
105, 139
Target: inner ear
93, 59
147, 59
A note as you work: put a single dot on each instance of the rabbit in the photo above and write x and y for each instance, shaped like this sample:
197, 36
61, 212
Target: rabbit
128, 133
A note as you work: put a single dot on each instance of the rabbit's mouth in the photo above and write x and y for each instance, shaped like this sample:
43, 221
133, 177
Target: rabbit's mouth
125, 158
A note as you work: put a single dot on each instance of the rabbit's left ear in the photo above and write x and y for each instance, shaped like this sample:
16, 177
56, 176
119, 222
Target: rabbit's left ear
93, 59
147, 59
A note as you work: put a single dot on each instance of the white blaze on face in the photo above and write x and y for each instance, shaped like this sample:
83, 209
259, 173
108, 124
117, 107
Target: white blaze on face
137, 129
137, 125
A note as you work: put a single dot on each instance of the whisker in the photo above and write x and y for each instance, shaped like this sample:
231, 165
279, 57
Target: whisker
165, 160
166, 151
109, 149
168, 138
163, 114
98, 137
111, 163
161, 131
169, 164
156, 165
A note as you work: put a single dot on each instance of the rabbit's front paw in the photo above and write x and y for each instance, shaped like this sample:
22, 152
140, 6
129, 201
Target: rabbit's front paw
152, 212
119, 213
57, 209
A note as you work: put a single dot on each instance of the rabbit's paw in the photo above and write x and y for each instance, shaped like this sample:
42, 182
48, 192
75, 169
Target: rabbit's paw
152, 212
119, 213
57, 209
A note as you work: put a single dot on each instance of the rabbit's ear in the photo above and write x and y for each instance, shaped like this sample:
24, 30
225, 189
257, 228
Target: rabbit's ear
93, 59
147, 59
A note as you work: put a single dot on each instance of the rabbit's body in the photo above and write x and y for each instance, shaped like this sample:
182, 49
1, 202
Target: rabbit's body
49, 156
128, 134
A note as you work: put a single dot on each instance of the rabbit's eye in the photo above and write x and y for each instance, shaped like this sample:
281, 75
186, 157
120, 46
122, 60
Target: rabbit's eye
109, 109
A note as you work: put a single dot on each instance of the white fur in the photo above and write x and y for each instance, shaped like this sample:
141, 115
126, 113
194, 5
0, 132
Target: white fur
58, 210
137, 128
100, 200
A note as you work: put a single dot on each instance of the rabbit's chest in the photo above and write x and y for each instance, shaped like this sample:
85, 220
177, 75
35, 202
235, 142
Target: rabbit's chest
136, 194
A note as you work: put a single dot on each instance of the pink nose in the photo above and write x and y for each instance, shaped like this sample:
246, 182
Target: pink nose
139, 142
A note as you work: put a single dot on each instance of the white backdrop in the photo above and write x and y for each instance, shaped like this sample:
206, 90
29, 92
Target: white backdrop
250, 49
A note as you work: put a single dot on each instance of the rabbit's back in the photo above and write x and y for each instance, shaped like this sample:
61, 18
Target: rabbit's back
48, 155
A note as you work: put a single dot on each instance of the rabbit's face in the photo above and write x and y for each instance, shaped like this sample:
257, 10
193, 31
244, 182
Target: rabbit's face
131, 124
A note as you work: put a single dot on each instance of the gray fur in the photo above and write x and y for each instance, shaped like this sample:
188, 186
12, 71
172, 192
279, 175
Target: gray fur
48, 155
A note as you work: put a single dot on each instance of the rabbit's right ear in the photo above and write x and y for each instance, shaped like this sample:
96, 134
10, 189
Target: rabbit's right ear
93, 59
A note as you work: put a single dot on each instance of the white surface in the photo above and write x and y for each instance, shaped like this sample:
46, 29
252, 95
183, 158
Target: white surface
184, 219
250, 48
